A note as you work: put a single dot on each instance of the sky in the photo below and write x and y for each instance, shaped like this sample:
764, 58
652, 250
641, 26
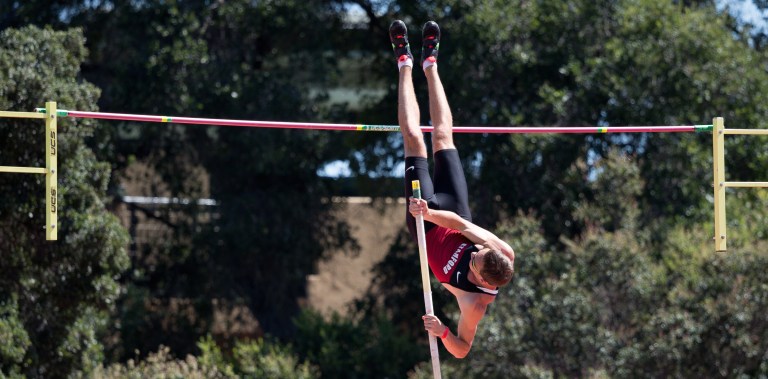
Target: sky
744, 10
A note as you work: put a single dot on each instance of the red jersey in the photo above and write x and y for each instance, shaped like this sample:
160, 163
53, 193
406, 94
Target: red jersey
444, 249
449, 252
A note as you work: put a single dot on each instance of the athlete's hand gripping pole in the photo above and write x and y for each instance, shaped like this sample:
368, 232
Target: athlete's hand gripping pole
425, 280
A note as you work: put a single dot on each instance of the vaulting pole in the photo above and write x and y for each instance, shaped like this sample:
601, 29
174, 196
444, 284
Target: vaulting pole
425, 280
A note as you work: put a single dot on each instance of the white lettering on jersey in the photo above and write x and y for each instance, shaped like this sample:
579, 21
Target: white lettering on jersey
454, 258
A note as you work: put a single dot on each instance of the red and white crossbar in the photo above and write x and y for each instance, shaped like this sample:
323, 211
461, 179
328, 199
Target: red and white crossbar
381, 128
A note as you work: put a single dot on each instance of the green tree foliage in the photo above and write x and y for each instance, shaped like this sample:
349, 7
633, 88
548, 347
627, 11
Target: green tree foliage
15, 337
234, 59
55, 295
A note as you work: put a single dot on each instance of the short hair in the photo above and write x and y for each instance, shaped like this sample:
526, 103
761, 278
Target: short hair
497, 268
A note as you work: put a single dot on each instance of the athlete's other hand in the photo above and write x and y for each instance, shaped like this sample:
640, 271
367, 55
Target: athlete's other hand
418, 207
433, 325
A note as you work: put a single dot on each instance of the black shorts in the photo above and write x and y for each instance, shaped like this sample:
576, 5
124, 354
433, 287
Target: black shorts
447, 192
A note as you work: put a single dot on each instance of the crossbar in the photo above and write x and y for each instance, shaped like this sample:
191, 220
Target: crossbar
382, 128
23, 170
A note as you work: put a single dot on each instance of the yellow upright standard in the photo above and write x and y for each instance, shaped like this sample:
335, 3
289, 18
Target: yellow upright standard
718, 164
51, 153
51, 161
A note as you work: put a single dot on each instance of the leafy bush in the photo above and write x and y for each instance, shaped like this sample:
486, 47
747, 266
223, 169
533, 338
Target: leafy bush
255, 359
15, 339
345, 348
160, 364
248, 359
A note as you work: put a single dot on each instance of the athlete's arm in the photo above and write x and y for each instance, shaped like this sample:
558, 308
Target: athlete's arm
451, 220
460, 343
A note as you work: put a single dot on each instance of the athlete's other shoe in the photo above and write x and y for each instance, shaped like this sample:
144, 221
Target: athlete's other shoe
398, 35
430, 35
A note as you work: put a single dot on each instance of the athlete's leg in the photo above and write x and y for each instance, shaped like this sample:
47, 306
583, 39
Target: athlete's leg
416, 165
439, 111
408, 115
407, 108
449, 181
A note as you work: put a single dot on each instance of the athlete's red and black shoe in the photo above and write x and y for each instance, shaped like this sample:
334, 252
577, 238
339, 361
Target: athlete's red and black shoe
430, 36
398, 35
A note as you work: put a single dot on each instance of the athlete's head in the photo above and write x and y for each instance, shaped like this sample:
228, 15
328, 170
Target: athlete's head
492, 266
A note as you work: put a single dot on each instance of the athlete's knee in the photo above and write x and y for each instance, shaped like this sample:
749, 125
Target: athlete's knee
412, 133
413, 136
442, 139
